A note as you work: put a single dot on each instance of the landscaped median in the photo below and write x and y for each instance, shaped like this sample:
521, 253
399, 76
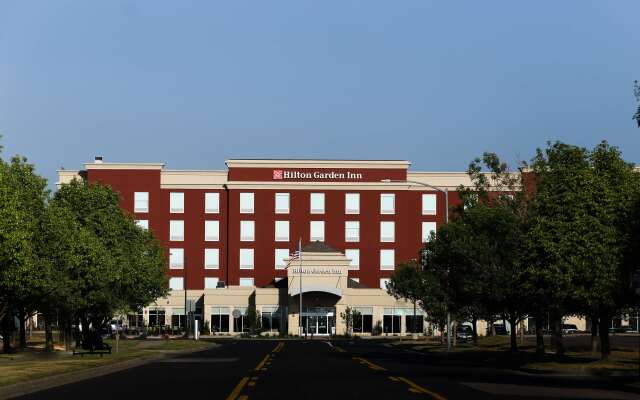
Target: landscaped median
33, 364
493, 352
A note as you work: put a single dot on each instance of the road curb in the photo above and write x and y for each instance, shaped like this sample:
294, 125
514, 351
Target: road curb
48, 382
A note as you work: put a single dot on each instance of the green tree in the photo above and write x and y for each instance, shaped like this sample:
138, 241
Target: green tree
579, 238
348, 316
407, 283
636, 92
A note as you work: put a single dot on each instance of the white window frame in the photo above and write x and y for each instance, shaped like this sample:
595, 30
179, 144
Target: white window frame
247, 203
384, 196
247, 231
247, 255
384, 253
279, 256
318, 199
211, 230
211, 258
281, 231
384, 236
174, 224
141, 202
317, 224
176, 202
212, 203
428, 227
354, 255
247, 282
143, 223
282, 203
349, 228
176, 258
355, 208
429, 199
209, 280
173, 283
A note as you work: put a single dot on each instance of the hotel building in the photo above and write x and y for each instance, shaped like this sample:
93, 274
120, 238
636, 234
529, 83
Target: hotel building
232, 235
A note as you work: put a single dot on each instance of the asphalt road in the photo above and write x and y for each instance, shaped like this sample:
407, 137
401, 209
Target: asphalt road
265, 369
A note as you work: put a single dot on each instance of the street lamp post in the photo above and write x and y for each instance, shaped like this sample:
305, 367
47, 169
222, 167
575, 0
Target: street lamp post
446, 220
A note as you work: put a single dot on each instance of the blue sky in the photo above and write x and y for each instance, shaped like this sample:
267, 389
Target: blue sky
192, 83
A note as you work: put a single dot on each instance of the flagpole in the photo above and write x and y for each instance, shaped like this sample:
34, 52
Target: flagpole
300, 272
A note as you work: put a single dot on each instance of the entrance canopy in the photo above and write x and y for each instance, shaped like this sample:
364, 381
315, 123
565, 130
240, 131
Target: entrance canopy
294, 291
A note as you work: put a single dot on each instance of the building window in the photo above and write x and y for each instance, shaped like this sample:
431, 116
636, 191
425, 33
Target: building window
211, 231
246, 258
176, 258
156, 317
282, 203
414, 325
355, 279
176, 283
247, 231
317, 231
212, 203
176, 202
383, 283
176, 230
143, 223
220, 319
363, 319
282, 231
211, 258
391, 320
387, 231
352, 203
317, 203
141, 202
246, 282
280, 256
428, 204
178, 319
352, 231
240, 324
271, 319
210, 283
246, 203
387, 203
387, 259
354, 256
427, 228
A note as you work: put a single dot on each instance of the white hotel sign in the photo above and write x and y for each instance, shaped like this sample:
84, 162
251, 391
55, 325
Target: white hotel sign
283, 174
317, 271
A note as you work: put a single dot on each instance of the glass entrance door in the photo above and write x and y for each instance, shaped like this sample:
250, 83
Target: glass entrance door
318, 322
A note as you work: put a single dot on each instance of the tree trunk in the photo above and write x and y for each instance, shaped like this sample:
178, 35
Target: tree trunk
23, 331
514, 334
595, 348
48, 333
474, 325
539, 335
557, 335
454, 330
605, 347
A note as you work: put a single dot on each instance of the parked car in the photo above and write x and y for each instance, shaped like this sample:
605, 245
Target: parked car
464, 333
569, 329
620, 329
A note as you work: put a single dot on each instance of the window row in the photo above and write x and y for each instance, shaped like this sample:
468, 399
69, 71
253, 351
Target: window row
177, 282
176, 202
316, 231
212, 258
282, 203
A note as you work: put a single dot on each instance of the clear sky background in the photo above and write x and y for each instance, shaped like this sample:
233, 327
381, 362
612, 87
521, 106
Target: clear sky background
192, 83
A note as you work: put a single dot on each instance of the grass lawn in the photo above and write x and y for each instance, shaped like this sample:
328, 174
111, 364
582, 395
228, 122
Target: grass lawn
35, 363
578, 359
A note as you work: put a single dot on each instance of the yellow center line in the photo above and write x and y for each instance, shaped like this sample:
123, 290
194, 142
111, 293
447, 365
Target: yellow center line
370, 364
278, 347
419, 389
339, 349
260, 366
236, 391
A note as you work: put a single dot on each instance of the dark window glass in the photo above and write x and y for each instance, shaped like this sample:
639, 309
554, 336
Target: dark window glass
367, 323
